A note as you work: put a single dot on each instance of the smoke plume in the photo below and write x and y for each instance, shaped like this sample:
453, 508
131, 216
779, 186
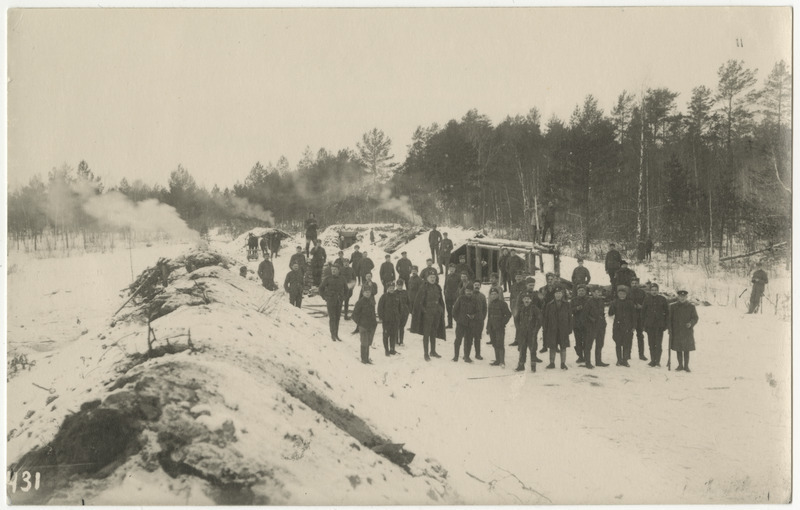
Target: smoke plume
401, 206
113, 209
243, 208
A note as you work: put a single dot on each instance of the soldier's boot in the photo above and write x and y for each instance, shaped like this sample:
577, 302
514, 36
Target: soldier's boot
520, 368
686, 361
552, 359
679, 355
563, 358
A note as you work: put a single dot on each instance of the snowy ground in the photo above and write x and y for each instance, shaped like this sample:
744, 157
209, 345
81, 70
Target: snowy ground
721, 434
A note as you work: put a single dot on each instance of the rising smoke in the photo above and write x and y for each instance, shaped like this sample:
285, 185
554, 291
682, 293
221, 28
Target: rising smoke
243, 208
401, 206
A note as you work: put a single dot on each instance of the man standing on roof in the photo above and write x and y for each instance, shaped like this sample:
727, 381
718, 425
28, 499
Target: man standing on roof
613, 260
311, 230
434, 238
549, 222
445, 249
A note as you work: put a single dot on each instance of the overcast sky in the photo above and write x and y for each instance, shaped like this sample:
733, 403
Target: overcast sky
135, 93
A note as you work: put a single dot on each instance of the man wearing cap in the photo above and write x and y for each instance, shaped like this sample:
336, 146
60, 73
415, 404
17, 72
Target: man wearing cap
681, 322
364, 317
445, 249
625, 315
387, 272
451, 286
580, 316
625, 275
318, 257
613, 260
429, 269
389, 312
464, 283
463, 266
580, 275
434, 238
311, 231
293, 285
515, 263
655, 311
355, 260
298, 258
549, 221
427, 317
597, 329
516, 292
350, 281
484, 306
404, 267
365, 265
759, 280
339, 259
637, 296
333, 291
497, 317
556, 327
414, 284
467, 313
494, 283
405, 310
502, 265
549, 288
529, 322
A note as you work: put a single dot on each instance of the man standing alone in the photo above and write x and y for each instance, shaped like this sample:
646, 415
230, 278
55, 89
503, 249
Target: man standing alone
759, 280
434, 238
613, 263
311, 230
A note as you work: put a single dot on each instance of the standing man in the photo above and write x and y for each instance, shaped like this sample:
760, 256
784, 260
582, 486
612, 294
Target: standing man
332, 291
405, 310
429, 269
318, 257
613, 260
414, 284
580, 275
549, 221
311, 230
451, 285
389, 312
759, 280
682, 318
497, 317
580, 314
293, 285
494, 283
387, 273
638, 294
355, 260
427, 318
274, 244
462, 266
502, 266
624, 312
350, 282
364, 317
655, 311
299, 259
404, 267
597, 333
264, 245
556, 327
648, 249
339, 259
484, 306
434, 238
528, 324
515, 264
365, 266
266, 271
467, 312
625, 275
516, 294
445, 249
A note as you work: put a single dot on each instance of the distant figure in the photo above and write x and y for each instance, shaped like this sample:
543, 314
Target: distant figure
252, 246
445, 249
243, 271
625, 275
648, 249
759, 280
366, 265
355, 261
371, 236
549, 222
387, 272
318, 257
434, 238
451, 285
266, 271
274, 244
580, 275
682, 319
613, 259
264, 246
403, 267
293, 285
311, 231
502, 265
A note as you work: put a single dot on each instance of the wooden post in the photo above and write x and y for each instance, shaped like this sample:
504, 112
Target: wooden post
491, 261
469, 256
478, 267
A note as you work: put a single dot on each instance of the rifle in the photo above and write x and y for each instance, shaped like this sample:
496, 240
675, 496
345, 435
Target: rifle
669, 352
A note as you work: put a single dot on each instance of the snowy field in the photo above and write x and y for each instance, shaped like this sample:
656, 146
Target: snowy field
277, 413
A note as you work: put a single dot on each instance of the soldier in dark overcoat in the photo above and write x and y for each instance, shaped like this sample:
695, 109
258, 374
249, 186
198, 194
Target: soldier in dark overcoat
462, 266
497, 316
365, 265
364, 317
333, 290
405, 307
427, 317
529, 321
681, 322
404, 267
434, 238
625, 316
293, 285
759, 280
387, 272
355, 261
580, 275
625, 274
484, 306
451, 286
350, 280
637, 296
655, 311
517, 289
390, 310
298, 258
502, 265
445, 250
467, 313
613, 259
556, 327
580, 316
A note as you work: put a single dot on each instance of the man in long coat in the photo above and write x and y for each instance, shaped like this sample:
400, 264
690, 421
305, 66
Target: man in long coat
387, 272
759, 280
638, 295
364, 317
333, 290
266, 271
625, 275
655, 311
318, 257
682, 319
529, 320
434, 238
445, 249
293, 285
467, 313
484, 306
298, 258
497, 316
581, 321
404, 267
451, 286
625, 316
355, 261
311, 231
556, 327
613, 260
365, 265
427, 318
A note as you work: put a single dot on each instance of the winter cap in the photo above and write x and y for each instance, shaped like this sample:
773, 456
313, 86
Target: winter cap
622, 288
389, 283
623, 263
580, 259
683, 292
582, 286
530, 279
403, 253
558, 289
494, 290
388, 256
414, 268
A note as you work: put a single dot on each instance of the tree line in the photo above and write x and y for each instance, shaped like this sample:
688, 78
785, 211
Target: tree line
712, 177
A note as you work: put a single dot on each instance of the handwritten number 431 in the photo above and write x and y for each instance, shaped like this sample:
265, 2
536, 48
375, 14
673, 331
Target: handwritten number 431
25, 482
